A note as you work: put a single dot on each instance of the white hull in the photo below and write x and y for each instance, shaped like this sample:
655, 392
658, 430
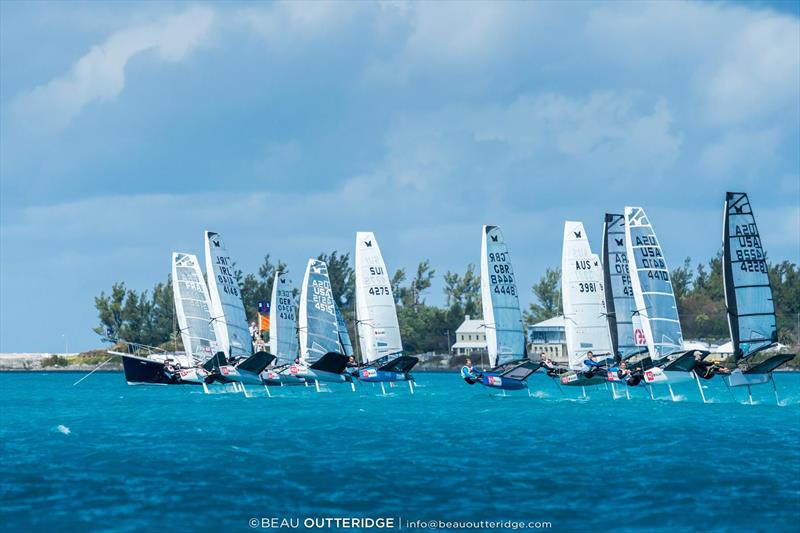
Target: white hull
302, 372
655, 376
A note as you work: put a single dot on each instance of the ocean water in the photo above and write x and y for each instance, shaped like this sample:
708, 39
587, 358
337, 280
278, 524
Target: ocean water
105, 456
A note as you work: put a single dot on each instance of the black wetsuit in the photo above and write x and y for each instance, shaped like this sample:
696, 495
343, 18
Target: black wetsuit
704, 370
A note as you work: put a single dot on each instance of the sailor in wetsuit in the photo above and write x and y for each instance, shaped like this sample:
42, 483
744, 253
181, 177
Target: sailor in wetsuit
548, 365
590, 366
706, 370
630, 378
352, 366
470, 374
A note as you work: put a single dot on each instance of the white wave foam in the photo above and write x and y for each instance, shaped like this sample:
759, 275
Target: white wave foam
61, 428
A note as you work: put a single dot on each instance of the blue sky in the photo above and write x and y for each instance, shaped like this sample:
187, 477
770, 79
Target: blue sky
127, 129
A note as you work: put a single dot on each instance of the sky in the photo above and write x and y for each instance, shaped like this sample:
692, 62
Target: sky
127, 129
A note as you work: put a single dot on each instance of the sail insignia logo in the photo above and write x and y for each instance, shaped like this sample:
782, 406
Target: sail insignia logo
620, 242
494, 238
577, 234
368, 243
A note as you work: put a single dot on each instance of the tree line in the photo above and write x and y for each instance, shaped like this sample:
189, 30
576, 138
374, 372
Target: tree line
148, 317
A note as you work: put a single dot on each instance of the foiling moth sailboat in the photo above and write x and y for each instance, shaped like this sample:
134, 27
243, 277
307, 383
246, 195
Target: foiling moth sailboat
505, 337
583, 298
624, 324
656, 305
748, 296
192, 310
321, 348
377, 328
237, 364
283, 331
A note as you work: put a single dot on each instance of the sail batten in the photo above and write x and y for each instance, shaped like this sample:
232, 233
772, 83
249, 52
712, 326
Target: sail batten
318, 324
505, 336
376, 315
583, 298
748, 293
652, 286
193, 308
283, 320
226, 301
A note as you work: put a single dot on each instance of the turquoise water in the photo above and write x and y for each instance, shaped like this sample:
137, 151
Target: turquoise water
112, 457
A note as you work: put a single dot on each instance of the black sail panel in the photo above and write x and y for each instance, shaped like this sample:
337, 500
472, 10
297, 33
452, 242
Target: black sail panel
748, 294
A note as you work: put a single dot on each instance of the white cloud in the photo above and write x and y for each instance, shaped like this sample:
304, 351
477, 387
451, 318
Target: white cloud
613, 135
99, 75
759, 73
741, 153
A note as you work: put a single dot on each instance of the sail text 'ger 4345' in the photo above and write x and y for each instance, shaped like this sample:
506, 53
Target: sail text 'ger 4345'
376, 318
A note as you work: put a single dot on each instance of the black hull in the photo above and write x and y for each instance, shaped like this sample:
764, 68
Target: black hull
140, 370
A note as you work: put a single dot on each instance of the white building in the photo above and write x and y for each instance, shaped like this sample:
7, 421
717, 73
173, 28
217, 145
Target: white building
470, 338
548, 337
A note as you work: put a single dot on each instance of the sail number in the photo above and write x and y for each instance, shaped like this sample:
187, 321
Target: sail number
322, 296
587, 287
379, 291
285, 305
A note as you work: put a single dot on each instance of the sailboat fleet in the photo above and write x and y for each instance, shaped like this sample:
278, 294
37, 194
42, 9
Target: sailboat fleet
620, 313
309, 339
621, 320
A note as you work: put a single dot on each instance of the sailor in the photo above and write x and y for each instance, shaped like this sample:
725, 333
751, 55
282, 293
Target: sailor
253, 331
469, 373
704, 369
352, 366
590, 366
548, 365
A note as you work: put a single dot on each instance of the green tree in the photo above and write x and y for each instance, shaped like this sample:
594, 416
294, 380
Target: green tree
421, 282
682, 278
109, 309
785, 281
463, 293
548, 297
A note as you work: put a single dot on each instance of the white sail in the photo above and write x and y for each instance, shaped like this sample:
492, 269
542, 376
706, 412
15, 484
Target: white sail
652, 286
193, 308
283, 320
583, 296
376, 315
505, 337
226, 300
317, 322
